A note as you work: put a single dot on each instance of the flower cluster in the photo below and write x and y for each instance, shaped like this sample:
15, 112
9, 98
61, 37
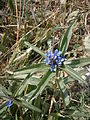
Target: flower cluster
9, 103
55, 59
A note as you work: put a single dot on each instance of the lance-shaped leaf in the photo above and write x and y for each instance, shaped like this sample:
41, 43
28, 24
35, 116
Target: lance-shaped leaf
63, 91
22, 86
74, 74
43, 83
23, 103
67, 80
64, 43
26, 104
79, 62
36, 49
3, 109
4, 91
32, 69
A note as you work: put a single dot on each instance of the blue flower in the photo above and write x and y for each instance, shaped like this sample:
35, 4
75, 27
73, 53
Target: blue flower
55, 60
9, 103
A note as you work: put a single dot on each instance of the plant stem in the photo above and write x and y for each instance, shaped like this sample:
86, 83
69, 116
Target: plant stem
55, 89
17, 20
21, 112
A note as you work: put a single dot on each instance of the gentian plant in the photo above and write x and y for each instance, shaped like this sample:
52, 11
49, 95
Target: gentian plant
55, 60
28, 92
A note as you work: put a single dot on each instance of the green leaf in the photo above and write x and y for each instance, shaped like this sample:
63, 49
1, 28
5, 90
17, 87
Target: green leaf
33, 80
18, 77
23, 103
2, 108
86, 43
32, 69
56, 116
4, 92
43, 83
68, 112
22, 86
37, 103
16, 116
68, 80
26, 104
64, 43
73, 74
14, 86
79, 62
63, 91
10, 4
36, 49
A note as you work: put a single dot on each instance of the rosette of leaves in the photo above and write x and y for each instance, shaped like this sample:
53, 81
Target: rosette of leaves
28, 91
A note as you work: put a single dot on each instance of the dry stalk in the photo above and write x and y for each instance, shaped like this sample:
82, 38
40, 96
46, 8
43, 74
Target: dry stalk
18, 20
23, 8
12, 48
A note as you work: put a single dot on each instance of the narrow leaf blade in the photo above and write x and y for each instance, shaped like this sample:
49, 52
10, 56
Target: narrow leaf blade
36, 49
63, 46
63, 91
22, 86
43, 83
32, 69
10, 4
79, 62
74, 74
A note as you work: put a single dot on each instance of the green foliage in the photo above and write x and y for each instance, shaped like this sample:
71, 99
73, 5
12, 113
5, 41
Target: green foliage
80, 62
64, 43
10, 2
36, 92
35, 49
42, 84
74, 74
63, 91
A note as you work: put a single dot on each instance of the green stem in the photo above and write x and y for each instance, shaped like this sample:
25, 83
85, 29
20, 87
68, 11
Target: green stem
55, 85
55, 89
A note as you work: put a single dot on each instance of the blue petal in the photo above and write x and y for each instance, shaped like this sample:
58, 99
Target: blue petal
55, 68
9, 103
51, 68
46, 54
49, 51
45, 60
48, 62
57, 61
59, 53
55, 56
59, 58
60, 63
62, 59
56, 51
52, 64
